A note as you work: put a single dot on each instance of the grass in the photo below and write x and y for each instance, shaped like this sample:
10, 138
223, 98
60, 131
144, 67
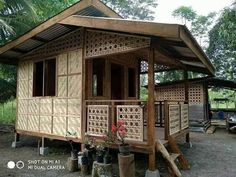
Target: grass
8, 112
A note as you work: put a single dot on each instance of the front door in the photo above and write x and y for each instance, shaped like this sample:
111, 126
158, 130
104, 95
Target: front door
117, 82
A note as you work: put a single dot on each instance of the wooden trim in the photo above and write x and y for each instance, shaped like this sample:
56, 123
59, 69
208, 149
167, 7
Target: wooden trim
192, 44
121, 25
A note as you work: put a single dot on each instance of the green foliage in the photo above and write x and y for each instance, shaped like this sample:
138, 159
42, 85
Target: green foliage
138, 9
185, 13
8, 112
222, 44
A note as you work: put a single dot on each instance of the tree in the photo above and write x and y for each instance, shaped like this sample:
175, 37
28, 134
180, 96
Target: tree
129, 9
222, 44
186, 14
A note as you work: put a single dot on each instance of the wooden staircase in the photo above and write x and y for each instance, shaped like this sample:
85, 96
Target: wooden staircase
173, 157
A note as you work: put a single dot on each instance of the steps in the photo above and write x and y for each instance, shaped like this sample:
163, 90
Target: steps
171, 158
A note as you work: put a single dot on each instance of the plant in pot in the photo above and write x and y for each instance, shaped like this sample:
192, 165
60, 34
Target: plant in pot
100, 151
74, 152
108, 140
120, 131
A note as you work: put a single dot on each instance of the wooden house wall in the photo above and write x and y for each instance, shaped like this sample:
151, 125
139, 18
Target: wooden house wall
61, 113
197, 101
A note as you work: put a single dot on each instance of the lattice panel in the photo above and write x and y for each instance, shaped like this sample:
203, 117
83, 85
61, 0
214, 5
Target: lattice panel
22, 122
74, 106
174, 119
184, 116
97, 117
133, 118
157, 68
196, 94
59, 106
34, 105
68, 42
74, 89
172, 92
46, 106
59, 126
62, 64
23, 89
74, 125
33, 123
75, 62
46, 124
100, 43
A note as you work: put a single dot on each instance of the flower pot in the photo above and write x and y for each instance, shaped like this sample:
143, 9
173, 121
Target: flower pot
107, 159
84, 160
124, 149
74, 154
99, 158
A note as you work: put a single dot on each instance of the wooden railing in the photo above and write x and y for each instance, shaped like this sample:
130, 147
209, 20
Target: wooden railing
101, 114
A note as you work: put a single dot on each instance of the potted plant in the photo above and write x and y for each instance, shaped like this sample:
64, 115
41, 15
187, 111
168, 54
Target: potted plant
121, 133
74, 152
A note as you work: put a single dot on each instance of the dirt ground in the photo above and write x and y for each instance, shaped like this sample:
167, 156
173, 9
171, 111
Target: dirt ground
212, 155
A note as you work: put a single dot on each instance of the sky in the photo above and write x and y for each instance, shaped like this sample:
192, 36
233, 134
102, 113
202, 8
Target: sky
202, 7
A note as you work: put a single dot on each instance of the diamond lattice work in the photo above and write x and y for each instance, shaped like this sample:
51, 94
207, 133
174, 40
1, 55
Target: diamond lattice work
157, 68
133, 118
97, 119
100, 43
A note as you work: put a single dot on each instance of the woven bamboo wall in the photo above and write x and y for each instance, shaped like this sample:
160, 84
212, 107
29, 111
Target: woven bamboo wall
52, 115
177, 92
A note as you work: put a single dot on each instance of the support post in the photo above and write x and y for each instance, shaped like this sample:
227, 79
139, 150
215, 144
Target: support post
43, 150
16, 143
151, 110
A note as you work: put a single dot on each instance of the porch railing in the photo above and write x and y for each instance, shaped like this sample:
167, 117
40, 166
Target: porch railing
101, 114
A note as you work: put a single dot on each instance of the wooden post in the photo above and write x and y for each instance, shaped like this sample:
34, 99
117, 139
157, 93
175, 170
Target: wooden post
186, 87
166, 119
151, 110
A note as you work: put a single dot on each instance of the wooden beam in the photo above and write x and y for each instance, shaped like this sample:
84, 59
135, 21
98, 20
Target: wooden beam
188, 39
138, 27
151, 110
39, 39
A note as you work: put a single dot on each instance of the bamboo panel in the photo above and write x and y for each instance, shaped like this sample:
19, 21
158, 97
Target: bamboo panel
184, 116
74, 125
23, 88
30, 88
22, 122
45, 124
100, 43
174, 119
34, 105
59, 126
33, 123
60, 106
172, 92
22, 106
74, 107
62, 64
62, 86
75, 62
46, 106
23, 70
133, 118
97, 119
74, 86
31, 70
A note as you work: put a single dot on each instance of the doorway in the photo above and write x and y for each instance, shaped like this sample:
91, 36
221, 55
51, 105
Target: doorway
117, 81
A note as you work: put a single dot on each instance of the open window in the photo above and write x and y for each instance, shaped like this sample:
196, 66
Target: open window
131, 82
98, 77
44, 80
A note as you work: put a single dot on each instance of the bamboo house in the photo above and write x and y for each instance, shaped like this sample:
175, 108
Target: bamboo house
79, 71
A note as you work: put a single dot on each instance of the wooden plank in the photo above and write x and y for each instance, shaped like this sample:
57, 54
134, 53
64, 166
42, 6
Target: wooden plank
175, 149
151, 109
70, 11
138, 27
160, 147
